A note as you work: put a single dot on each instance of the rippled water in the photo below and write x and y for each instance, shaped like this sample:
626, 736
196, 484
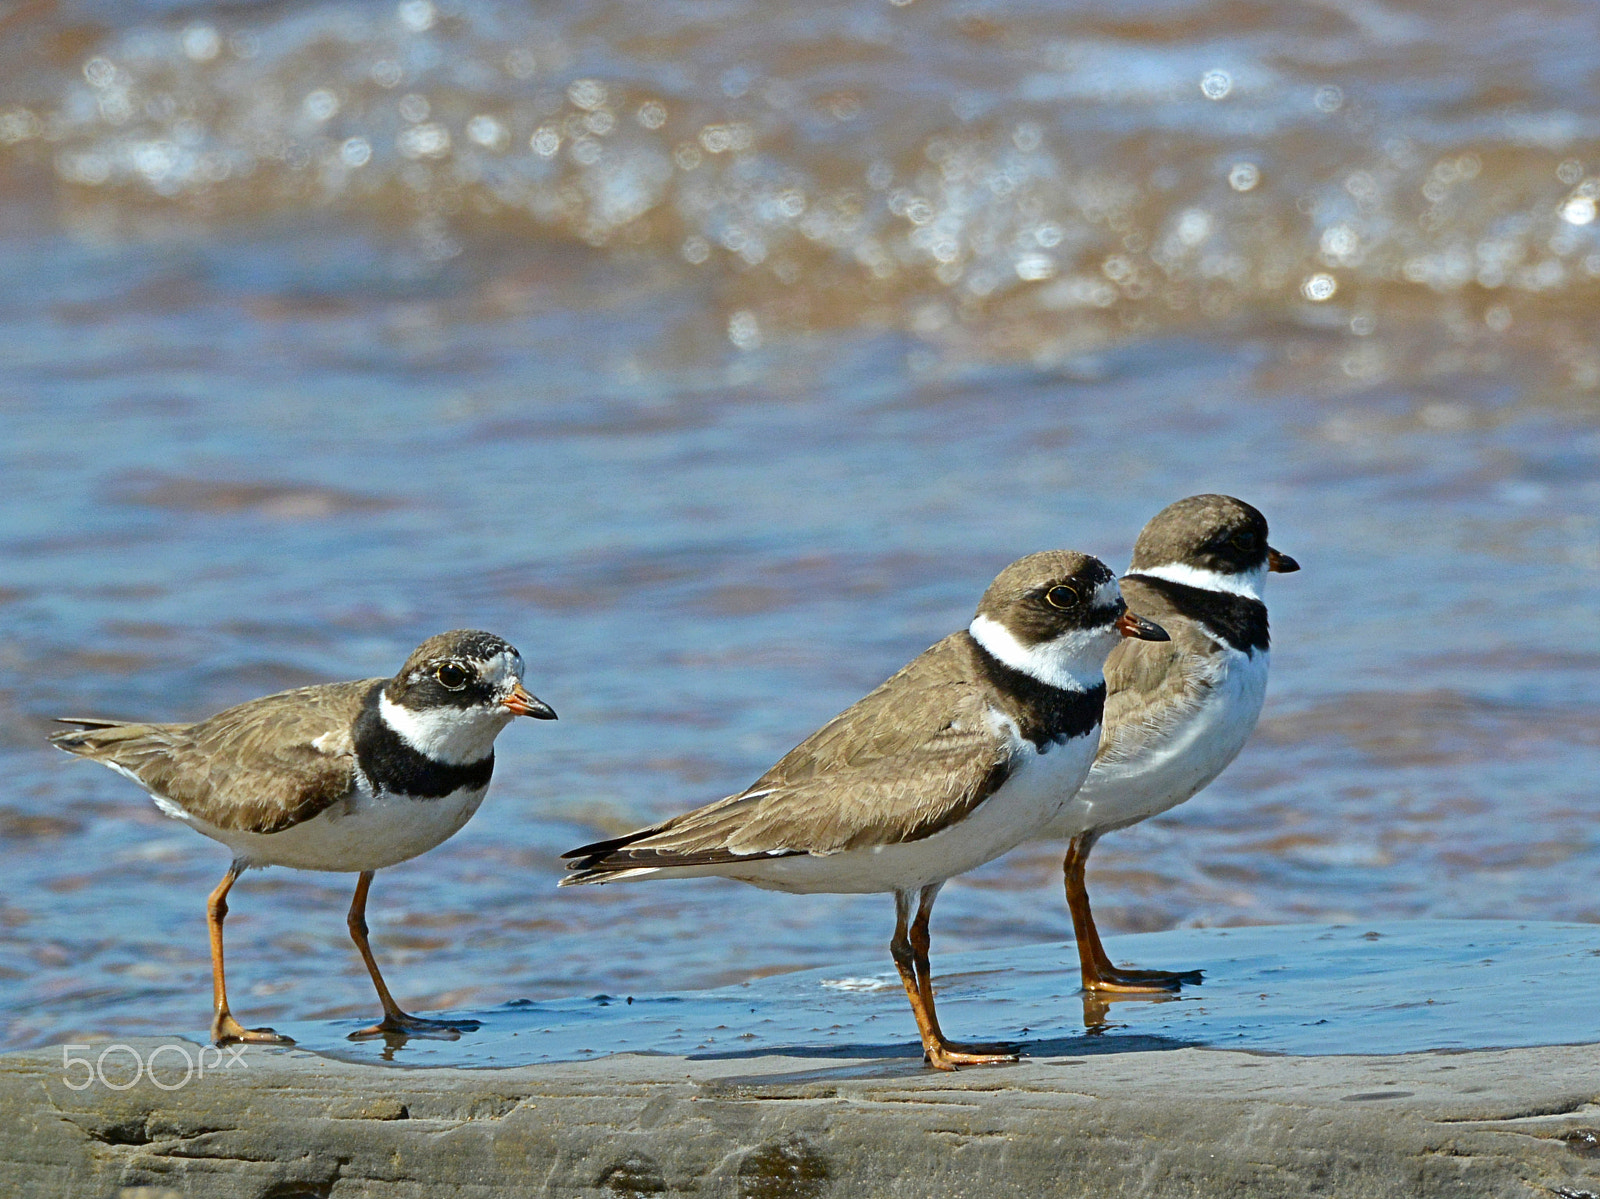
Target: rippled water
1014, 180
1395, 987
717, 354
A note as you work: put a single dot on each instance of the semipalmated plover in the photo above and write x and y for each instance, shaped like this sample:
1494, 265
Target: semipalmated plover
1176, 713
963, 754
343, 776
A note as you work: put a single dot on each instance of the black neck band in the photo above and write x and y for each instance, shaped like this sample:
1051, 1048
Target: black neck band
1237, 619
1044, 713
394, 766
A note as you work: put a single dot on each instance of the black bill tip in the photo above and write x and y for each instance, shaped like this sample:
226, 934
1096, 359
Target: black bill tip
521, 702
1131, 625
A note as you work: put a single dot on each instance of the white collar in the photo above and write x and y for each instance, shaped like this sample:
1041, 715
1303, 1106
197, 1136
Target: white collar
1058, 663
1246, 583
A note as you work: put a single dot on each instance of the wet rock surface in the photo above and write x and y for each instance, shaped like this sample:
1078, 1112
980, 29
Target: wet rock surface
1116, 1113
1178, 1122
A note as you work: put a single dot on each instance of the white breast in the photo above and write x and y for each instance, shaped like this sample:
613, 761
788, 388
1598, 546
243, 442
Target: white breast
366, 831
1195, 745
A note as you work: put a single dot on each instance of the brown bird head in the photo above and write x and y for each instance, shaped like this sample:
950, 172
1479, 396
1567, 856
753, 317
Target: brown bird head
1055, 616
456, 692
1213, 539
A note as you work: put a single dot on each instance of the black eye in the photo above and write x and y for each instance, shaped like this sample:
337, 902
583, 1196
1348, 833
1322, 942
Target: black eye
1061, 596
452, 676
1243, 541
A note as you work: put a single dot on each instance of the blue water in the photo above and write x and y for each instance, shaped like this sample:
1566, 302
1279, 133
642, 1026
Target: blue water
1389, 987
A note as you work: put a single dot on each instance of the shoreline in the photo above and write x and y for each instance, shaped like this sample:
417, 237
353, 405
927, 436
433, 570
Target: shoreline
1240, 1088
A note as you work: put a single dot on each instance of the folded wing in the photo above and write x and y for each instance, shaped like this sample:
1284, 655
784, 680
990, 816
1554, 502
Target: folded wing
884, 771
261, 767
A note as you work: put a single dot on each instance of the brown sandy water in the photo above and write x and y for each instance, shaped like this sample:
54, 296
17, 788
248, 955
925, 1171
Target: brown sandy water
717, 354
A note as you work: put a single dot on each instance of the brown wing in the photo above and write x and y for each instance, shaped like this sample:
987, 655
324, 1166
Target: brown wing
261, 767
1150, 684
911, 758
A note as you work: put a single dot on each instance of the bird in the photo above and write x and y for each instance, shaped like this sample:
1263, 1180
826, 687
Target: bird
1176, 713
348, 777
957, 758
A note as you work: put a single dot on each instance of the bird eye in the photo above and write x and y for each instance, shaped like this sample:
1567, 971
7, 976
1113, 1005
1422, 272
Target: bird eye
1061, 596
452, 676
1243, 541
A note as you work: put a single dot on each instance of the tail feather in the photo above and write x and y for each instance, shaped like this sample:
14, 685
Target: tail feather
590, 861
588, 855
105, 739
619, 858
603, 874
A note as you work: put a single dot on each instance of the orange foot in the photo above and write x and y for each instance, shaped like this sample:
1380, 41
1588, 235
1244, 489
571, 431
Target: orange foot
400, 1024
951, 1055
225, 1030
1115, 981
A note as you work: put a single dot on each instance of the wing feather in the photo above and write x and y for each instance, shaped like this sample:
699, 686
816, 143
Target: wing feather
1149, 686
261, 767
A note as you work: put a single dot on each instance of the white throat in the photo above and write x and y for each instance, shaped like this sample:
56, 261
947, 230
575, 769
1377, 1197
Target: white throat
1247, 583
1074, 661
453, 736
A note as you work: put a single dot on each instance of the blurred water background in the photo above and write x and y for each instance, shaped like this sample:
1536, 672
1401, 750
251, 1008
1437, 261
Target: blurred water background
717, 352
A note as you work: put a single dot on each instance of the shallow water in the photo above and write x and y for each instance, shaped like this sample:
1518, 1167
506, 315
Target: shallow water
1306, 990
718, 464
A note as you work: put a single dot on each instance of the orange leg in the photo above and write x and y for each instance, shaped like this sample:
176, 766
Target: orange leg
394, 1020
224, 1028
910, 951
1099, 974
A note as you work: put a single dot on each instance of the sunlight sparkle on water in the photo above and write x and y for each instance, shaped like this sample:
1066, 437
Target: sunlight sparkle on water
1319, 287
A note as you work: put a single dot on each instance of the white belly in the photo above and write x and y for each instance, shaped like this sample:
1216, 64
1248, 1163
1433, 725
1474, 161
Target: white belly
1178, 760
364, 832
1029, 799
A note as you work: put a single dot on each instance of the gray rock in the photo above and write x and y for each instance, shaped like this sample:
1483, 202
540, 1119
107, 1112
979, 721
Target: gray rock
1184, 1122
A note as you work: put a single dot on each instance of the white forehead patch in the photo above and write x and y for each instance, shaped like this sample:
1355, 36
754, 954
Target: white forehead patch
504, 666
1107, 595
1247, 583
